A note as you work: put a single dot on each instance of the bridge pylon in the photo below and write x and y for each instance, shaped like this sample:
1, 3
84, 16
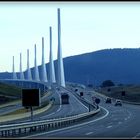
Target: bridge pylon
14, 76
29, 76
43, 67
21, 76
51, 62
60, 67
36, 73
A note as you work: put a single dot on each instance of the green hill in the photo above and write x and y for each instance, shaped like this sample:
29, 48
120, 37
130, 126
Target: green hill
9, 92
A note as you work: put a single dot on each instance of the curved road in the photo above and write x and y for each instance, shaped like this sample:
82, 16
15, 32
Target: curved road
58, 111
118, 122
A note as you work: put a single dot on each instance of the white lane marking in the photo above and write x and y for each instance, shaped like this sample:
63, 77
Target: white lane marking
110, 123
77, 100
72, 109
125, 119
119, 122
60, 102
43, 117
109, 126
130, 114
78, 125
138, 134
88, 133
80, 102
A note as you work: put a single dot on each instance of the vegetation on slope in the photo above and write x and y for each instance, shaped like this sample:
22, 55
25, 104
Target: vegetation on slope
132, 92
9, 93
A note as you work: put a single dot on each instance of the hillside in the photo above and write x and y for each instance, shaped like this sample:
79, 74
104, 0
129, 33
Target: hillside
9, 93
132, 93
118, 65
10, 90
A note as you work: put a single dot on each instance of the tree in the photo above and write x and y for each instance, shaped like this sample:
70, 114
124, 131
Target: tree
107, 83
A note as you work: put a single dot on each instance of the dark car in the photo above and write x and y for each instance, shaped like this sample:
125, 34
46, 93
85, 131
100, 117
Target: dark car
108, 100
118, 103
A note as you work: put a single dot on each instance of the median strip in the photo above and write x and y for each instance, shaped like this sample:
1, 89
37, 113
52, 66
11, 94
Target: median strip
10, 103
23, 115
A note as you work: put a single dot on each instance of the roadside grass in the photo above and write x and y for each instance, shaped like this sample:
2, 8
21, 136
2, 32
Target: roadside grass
9, 103
24, 110
132, 92
13, 94
19, 111
10, 90
10, 117
10, 93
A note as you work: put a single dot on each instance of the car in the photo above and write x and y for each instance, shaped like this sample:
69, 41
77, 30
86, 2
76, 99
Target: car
81, 94
118, 103
108, 100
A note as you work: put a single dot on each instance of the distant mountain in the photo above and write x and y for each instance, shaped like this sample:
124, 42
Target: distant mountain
118, 65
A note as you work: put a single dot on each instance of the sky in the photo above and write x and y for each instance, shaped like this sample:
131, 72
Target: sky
85, 27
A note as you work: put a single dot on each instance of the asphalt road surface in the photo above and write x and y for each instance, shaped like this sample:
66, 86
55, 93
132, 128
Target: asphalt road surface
58, 110
118, 122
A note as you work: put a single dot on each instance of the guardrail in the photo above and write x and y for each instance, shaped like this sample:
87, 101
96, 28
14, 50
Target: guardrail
23, 129
83, 99
11, 117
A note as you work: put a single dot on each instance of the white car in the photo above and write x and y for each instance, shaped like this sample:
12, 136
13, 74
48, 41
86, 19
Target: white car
118, 103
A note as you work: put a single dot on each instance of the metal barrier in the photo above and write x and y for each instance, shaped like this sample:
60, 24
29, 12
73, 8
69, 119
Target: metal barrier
21, 129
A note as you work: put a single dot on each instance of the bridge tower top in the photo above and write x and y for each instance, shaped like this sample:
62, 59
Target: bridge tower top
61, 77
14, 73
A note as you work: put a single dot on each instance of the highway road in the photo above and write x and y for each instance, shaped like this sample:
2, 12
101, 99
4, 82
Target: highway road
58, 110
9, 109
74, 107
117, 122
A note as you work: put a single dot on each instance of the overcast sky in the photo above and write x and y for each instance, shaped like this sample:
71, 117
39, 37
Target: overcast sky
85, 27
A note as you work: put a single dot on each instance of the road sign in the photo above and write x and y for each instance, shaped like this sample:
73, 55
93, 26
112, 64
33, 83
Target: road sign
81, 93
31, 97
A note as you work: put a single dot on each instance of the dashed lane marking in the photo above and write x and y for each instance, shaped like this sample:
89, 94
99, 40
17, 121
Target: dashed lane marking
88, 133
138, 134
109, 126
78, 125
